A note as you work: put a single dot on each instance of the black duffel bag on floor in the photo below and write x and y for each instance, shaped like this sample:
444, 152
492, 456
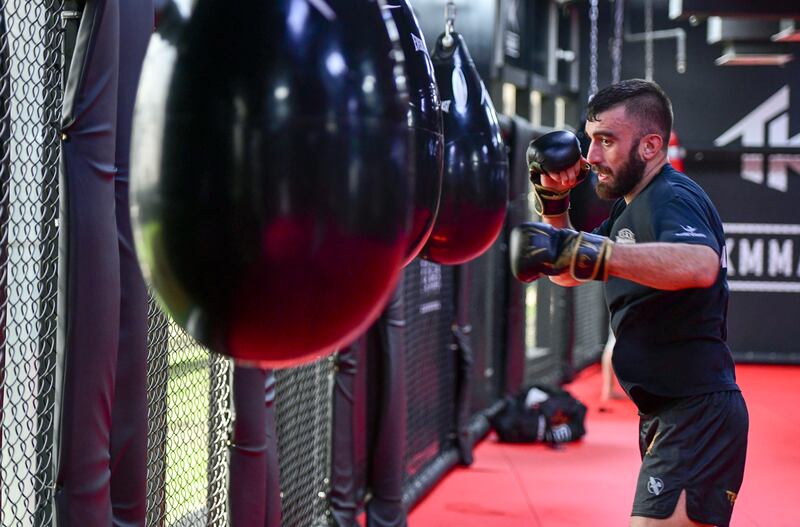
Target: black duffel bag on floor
540, 414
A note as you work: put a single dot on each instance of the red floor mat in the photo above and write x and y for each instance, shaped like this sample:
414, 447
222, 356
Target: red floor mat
591, 483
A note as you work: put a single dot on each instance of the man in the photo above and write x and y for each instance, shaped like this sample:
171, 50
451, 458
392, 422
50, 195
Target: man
662, 254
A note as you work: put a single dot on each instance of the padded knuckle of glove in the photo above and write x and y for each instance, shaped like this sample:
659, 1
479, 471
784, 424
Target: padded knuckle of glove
538, 249
553, 152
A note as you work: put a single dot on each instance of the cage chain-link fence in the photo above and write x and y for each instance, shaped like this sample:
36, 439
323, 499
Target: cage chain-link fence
30, 102
303, 401
189, 426
590, 325
487, 317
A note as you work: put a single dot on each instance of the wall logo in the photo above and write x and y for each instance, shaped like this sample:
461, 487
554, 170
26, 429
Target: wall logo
766, 126
762, 257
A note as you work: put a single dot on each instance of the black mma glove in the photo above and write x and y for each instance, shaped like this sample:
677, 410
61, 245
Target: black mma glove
553, 152
539, 248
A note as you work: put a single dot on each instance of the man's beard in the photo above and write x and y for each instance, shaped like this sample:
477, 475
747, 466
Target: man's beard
625, 179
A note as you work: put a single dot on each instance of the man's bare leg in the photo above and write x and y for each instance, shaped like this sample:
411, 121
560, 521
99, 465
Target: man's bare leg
679, 518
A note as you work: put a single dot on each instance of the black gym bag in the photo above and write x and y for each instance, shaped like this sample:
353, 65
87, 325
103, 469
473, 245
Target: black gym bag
540, 414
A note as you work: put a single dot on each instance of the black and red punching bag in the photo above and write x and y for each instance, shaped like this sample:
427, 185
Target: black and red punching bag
271, 196
475, 183
676, 152
425, 120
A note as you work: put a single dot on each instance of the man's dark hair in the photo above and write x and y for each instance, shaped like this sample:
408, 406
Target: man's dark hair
644, 101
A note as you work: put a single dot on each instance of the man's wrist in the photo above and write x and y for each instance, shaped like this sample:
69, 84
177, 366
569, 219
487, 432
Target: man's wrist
549, 202
560, 221
590, 255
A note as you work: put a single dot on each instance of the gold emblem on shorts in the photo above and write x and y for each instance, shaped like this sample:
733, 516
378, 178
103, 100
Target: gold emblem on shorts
731, 496
652, 444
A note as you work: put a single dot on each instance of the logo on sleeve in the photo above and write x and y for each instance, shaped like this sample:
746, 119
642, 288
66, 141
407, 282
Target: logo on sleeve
625, 236
690, 232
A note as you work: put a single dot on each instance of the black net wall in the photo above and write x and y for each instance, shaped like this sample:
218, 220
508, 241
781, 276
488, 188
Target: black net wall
189, 416
547, 333
30, 101
303, 404
430, 363
590, 327
487, 300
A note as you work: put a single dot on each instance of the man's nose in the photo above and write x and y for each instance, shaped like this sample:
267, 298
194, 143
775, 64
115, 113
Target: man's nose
593, 156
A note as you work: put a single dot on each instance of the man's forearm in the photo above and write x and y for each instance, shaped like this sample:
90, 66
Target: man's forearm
667, 266
560, 222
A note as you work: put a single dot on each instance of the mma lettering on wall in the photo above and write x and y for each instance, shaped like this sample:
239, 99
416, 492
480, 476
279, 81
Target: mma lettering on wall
767, 126
763, 257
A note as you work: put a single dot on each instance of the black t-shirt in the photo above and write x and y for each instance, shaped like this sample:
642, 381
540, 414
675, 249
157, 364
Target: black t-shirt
669, 343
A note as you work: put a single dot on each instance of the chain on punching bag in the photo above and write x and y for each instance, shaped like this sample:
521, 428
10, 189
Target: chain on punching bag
425, 121
271, 198
475, 184
616, 42
594, 15
649, 55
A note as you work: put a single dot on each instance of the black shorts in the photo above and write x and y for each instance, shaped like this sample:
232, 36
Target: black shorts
697, 444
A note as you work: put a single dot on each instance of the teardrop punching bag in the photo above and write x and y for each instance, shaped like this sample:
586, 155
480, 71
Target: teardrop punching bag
271, 199
475, 183
425, 120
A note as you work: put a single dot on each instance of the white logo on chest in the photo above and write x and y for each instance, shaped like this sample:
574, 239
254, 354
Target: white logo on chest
626, 236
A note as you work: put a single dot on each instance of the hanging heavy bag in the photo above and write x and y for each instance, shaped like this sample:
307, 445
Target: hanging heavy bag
425, 123
474, 198
271, 197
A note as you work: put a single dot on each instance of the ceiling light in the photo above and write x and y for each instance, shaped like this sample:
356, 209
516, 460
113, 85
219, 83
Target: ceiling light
787, 33
748, 54
753, 59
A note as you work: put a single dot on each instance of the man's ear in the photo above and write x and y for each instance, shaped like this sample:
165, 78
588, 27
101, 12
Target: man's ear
650, 145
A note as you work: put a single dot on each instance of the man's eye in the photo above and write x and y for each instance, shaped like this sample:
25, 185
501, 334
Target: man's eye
605, 142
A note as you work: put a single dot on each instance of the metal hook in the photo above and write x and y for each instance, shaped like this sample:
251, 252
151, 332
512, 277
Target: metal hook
449, 23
